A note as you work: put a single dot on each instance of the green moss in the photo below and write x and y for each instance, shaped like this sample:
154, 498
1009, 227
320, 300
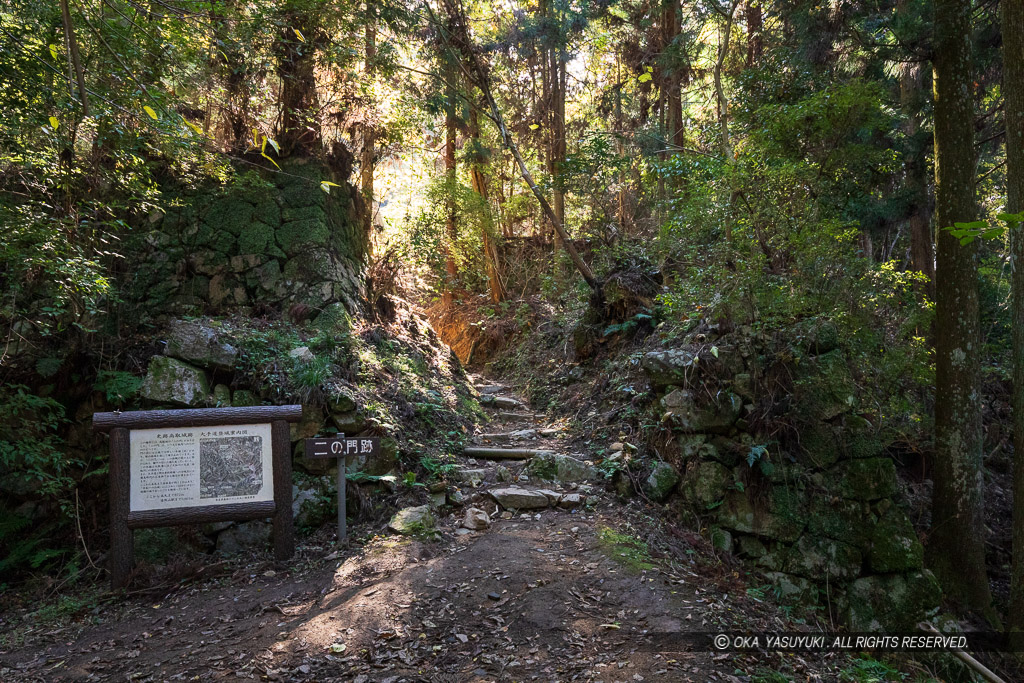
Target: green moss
291, 236
304, 193
229, 214
892, 602
631, 553
255, 238
867, 479
220, 241
303, 213
894, 544
839, 519
267, 211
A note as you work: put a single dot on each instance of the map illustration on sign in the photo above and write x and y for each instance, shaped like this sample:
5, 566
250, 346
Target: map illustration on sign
196, 466
230, 466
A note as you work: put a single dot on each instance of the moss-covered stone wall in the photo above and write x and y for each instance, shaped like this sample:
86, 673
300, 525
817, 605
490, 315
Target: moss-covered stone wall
770, 445
272, 239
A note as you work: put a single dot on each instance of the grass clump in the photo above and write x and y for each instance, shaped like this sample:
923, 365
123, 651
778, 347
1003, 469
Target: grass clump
630, 552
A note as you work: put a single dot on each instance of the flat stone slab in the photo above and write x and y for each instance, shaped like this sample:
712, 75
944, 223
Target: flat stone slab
518, 498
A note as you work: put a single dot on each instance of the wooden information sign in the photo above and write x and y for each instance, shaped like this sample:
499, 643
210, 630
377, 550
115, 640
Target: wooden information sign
340, 447
171, 467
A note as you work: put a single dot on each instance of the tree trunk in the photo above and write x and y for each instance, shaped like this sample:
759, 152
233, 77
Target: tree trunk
1013, 91
956, 545
492, 262
296, 51
460, 37
922, 243
623, 210
755, 28
723, 118
367, 153
451, 226
673, 77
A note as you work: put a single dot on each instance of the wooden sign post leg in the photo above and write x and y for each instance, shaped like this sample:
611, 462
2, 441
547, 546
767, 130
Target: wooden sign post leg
122, 545
284, 538
342, 481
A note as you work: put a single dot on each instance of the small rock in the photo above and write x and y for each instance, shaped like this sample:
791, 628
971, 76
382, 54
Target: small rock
494, 596
302, 354
462, 531
476, 519
570, 500
473, 477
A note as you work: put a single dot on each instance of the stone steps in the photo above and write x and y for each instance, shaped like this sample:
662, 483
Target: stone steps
494, 401
502, 453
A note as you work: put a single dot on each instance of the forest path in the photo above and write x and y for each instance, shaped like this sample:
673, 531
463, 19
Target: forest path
551, 595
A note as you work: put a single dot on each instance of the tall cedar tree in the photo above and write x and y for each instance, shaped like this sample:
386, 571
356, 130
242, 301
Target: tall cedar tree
956, 545
1013, 91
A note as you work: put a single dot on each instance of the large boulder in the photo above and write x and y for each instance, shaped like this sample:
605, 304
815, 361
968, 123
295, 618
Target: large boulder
792, 588
705, 483
814, 557
558, 467
839, 518
661, 481
169, 380
780, 519
894, 543
669, 367
824, 387
518, 498
199, 343
686, 413
412, 520
892, 602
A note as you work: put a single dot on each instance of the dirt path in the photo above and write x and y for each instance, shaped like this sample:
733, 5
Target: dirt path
550, 595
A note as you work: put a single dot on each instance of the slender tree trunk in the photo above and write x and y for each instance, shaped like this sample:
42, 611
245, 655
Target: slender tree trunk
673, 76
71, 43
755, 28
296, 50
460, 37
492, 262
227, 60
723, 117
922, 243
1013, 91
451, 226
367, 153
624, 218
956, 545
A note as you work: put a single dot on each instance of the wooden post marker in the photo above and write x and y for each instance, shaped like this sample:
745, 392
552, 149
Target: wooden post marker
170, 467
339, 447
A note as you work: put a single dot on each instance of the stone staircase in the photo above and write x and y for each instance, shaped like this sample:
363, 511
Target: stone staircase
520, 462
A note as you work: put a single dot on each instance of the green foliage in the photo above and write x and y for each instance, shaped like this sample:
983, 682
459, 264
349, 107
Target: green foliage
118, 387
30, 447
868, 670
431, 244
